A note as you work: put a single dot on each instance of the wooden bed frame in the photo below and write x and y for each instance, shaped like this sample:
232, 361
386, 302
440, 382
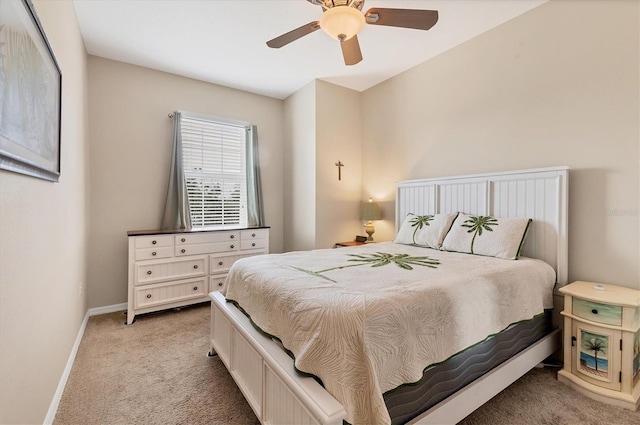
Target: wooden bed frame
279, 395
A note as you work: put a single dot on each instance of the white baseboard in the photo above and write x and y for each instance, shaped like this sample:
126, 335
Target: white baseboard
106, 309
53, 407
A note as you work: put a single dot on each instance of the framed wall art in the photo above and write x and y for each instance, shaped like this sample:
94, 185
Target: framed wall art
30, 94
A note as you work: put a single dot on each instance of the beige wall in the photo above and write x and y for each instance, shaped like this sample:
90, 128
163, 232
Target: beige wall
338, 137
43, 242
323, 124
299, 169
558, 85
555, 86
131, 142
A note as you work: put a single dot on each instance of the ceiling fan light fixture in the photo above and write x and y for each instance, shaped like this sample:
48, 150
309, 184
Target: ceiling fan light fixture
342, 22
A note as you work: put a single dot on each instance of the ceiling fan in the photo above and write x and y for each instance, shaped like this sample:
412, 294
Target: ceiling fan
343, 19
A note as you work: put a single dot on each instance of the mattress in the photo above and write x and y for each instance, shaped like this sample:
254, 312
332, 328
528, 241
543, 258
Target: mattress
408, 401
368, 319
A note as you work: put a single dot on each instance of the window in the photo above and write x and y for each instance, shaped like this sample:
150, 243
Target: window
214, 163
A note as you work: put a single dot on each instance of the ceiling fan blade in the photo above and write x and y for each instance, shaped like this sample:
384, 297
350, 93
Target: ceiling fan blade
404, 18
351, 51
290, 36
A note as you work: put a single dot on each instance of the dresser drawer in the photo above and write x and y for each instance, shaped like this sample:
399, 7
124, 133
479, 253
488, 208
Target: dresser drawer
597, 312
208, 237
169, 292
152, 253
206, 248
254, 244
254, 234
160, 271
222, 263
153, 241
217, 282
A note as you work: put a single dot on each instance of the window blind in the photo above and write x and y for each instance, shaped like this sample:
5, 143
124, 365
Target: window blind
214, 160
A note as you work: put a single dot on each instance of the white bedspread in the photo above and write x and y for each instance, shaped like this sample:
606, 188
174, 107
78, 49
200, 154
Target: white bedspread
367, 319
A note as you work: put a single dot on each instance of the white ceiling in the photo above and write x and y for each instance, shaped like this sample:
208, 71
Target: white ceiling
223, 42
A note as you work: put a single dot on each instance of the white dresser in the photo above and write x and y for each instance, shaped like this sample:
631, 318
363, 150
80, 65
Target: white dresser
175, 268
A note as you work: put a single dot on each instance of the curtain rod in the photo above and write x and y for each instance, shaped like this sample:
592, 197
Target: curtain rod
236, 123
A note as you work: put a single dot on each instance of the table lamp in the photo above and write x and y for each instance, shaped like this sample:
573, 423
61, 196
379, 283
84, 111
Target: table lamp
370, 211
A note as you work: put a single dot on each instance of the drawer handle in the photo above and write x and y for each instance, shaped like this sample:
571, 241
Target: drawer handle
219, 283
253, 244
148, 271
232, 236
183, 251
183, 240
154, 253
148, 295
195, 266
232, 246
594, 311
195, 288
220, 263
253, 235
154, 242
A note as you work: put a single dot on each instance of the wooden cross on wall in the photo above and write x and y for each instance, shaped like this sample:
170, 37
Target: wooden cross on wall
339, 164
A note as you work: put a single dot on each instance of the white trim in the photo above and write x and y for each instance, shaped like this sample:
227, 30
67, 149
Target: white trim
476, 194
53, 407
107, 309
476, 176
55, 402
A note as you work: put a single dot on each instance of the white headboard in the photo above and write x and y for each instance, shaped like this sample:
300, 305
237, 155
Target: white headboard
539, 194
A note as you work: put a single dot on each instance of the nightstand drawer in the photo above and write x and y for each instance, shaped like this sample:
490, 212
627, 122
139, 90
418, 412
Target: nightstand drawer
597, 312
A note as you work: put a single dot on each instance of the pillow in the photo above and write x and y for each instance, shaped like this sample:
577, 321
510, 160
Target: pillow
424, 230
486, 235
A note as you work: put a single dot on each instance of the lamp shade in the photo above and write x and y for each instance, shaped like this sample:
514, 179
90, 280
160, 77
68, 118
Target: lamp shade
342, 22
371, 211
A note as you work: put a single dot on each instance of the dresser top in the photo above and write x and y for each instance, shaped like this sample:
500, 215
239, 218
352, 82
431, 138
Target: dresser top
610, 294
173, 231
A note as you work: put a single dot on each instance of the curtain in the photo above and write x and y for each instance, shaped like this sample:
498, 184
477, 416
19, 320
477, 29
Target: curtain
176, 210
255, 213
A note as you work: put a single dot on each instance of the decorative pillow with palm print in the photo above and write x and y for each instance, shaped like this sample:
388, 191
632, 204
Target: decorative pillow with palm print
425, 230
486, 235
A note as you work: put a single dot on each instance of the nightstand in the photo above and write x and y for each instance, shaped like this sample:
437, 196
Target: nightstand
349, 243
602, 342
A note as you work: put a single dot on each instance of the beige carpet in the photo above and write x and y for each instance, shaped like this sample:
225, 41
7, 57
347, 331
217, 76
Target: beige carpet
157, 372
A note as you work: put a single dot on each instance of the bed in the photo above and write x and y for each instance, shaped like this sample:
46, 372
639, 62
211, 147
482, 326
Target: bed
283, 306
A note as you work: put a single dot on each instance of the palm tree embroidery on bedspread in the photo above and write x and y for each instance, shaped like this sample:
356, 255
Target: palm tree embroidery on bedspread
378, 259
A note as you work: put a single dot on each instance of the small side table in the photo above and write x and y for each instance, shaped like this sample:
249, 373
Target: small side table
348, 243
601, 342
